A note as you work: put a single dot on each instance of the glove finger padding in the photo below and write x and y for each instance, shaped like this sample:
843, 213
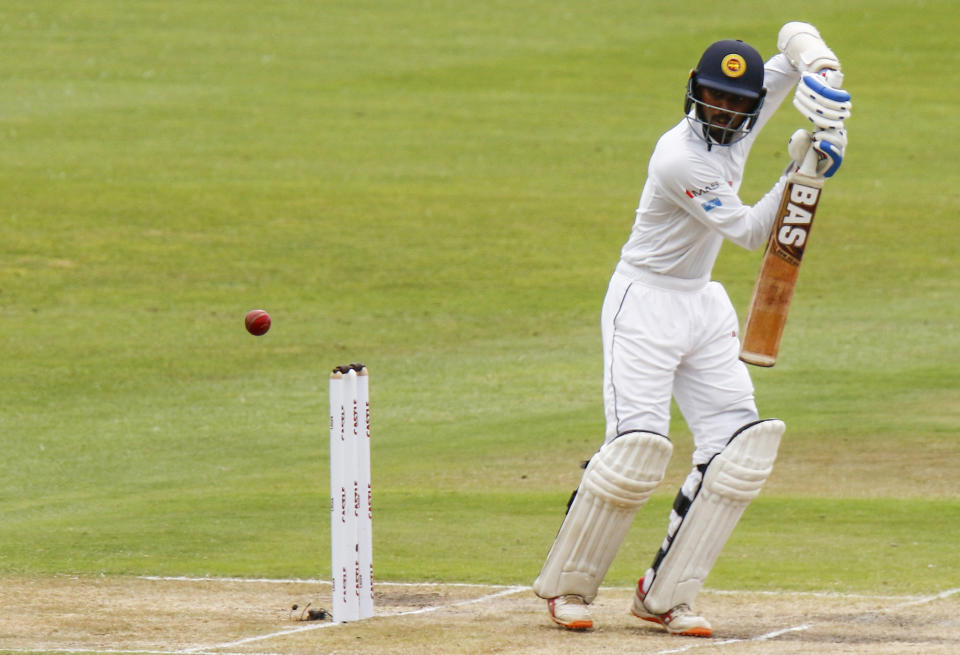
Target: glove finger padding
824, 106
830, 146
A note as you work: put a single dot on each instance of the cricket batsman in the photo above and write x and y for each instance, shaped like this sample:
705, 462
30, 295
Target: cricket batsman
670, 332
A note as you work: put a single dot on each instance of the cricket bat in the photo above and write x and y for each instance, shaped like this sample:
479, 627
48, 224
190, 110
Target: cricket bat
780, 265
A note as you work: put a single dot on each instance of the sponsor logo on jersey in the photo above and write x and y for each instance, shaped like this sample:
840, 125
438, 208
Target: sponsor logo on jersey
711, 204
693, 193
733, 65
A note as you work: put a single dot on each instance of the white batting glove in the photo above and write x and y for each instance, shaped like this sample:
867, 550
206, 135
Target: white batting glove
800, 142
821, 100
805, 48
829, 146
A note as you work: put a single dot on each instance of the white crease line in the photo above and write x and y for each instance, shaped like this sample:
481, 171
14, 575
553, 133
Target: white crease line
200, 578
460, 603
922, 601
106, 651
466, 585
423, 610
249, 640
478, 585
800, 628
808, 594
118, 651
769, 635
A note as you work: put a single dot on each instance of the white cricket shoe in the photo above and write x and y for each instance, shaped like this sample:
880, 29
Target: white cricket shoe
681, 620
571, 612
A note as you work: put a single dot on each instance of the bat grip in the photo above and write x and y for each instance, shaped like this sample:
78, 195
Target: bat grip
808, 166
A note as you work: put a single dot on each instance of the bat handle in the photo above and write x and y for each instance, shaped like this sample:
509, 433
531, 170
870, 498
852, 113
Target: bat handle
808, 166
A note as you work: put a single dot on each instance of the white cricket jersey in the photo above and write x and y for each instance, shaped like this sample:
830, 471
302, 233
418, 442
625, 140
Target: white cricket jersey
690, 200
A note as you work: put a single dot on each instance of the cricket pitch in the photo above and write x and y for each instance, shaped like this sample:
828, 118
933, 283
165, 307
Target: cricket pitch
216, 616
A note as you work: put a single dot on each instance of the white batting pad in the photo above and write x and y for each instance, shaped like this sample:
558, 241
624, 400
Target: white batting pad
618, 481
732, 480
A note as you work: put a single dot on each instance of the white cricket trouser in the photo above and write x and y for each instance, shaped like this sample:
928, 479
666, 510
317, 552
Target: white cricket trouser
663, 337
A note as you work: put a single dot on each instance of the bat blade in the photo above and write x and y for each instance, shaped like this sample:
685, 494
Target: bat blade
779, 270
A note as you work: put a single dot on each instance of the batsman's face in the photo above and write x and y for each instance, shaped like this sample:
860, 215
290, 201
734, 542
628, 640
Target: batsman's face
724, 110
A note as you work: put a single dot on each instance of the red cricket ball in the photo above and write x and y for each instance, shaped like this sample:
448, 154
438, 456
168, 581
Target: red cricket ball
257, 322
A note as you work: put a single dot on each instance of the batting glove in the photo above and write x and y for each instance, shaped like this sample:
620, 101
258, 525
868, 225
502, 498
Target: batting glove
829, 146
821, 100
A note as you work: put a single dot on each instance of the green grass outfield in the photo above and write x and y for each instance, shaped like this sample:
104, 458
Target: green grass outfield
441, 190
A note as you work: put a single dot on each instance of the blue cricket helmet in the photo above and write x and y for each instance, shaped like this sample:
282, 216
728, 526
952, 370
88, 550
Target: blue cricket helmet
730, 66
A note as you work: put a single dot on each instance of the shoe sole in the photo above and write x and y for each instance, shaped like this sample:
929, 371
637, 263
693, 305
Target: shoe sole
575, 625
695, 632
